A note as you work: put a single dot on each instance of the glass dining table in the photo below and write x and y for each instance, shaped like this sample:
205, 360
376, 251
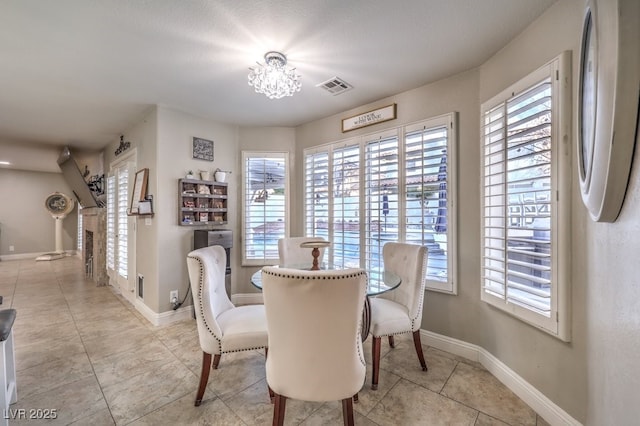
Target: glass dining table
378, 282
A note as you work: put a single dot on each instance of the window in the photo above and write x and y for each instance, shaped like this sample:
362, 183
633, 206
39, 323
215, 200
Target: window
381, 183
401, 182
429, 193
525, 201
265, 206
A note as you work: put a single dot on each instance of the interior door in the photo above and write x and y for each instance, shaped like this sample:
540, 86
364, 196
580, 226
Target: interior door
120, 228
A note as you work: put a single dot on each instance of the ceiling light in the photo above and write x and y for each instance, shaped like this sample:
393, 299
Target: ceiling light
274, 78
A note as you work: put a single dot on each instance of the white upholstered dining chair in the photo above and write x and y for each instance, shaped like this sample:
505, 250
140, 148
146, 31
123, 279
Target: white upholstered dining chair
315, 348
291, 253
222, 327
400, 310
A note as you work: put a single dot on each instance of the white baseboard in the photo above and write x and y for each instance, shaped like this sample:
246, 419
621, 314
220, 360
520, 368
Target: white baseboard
164, 318
22, 256
186, 312
542, 405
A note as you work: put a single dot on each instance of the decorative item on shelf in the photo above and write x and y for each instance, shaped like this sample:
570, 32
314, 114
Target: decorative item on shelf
123, 146
205, 175
190, 175
273, 78
186, 219
204, 190
139, 190
202, 149
221, 175
189, 204
204, 217
145, 207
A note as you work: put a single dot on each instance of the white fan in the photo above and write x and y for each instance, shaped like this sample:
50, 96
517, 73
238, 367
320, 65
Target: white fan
59, 206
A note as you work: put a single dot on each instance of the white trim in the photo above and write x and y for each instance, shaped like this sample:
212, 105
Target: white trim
163, 318
535, 399
21, 256
186, 312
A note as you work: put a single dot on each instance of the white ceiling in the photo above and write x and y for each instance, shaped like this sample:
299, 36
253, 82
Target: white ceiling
79, 73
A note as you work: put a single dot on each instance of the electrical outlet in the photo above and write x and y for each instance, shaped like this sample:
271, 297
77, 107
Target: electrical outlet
11, 248
173, 296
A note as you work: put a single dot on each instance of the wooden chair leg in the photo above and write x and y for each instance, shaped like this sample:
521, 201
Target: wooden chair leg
375, 352
204, 377
347, 412
278, 410
216, 361
392, 342
272, 395
355, 397
418, 345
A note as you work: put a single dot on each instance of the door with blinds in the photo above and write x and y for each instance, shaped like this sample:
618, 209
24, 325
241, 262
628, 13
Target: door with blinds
120, 228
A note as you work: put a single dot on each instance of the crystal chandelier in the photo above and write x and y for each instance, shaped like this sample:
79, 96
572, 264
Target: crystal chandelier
273, 78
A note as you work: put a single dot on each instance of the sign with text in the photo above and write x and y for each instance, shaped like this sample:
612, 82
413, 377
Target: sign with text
368, 118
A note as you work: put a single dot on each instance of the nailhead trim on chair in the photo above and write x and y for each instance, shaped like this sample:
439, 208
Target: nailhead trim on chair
315, 277
421, 301
422, 287
335, 277
203, 317
202, 306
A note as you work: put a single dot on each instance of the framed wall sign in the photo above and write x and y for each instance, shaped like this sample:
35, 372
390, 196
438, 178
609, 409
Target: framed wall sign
608, 104
202, 149
368, 118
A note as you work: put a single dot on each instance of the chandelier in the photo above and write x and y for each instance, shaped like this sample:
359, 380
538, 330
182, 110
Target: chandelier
274, 78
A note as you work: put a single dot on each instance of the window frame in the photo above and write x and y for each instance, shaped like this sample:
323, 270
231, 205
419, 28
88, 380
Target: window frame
287, 195
558, 70
449, 120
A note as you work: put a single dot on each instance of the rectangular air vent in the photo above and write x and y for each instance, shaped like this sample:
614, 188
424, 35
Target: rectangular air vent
335, 86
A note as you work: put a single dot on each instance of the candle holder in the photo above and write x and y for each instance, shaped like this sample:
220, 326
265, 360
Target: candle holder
316, 246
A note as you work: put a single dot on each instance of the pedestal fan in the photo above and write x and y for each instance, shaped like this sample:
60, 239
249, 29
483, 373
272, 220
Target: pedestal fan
59, 206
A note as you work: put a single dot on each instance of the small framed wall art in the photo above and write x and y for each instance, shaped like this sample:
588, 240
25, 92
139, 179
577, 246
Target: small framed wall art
202, 149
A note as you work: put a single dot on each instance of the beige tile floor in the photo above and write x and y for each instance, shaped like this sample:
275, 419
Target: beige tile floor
86, 353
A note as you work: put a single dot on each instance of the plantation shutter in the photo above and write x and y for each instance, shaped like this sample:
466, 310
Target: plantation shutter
345, 193
317, 195
517, 199
381, 198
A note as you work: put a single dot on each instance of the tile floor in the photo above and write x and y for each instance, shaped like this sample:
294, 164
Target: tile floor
86, 353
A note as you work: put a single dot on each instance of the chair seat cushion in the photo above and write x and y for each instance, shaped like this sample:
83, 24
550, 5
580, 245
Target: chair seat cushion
243, 327
388, 317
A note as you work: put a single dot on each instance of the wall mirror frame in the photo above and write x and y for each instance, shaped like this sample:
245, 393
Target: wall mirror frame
608, 98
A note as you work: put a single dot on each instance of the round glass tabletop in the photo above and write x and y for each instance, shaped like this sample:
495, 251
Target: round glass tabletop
378, 281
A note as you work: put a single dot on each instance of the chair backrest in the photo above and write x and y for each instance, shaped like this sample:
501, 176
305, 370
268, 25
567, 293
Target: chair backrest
291, 253
409, 261
207, 267
314, 321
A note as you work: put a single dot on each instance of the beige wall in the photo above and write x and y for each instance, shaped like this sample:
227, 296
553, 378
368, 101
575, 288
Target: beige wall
24, 222
175, 132
559, 370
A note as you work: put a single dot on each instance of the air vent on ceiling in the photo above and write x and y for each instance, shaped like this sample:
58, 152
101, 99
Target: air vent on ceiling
335, 86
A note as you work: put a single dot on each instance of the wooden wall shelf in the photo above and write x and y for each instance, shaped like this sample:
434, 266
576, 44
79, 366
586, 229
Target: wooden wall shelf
202, 202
